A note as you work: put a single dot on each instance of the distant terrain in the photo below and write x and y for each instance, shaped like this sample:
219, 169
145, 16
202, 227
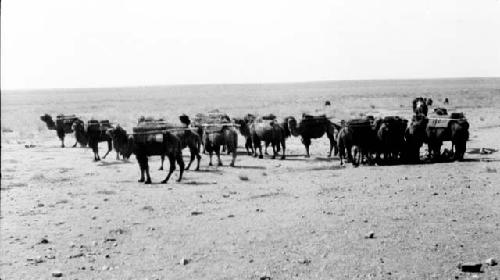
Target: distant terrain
299, 218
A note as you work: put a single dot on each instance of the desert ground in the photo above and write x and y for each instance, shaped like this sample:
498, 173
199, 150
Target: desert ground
299, 218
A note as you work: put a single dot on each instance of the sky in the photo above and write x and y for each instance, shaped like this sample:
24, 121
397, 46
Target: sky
107, 43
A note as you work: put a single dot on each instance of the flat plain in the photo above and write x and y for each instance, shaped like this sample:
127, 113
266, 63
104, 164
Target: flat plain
299, 218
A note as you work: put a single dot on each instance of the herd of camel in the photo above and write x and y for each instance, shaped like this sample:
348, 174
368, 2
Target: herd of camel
364, 140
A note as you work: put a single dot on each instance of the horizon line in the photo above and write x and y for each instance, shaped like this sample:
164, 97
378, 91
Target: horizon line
241, 83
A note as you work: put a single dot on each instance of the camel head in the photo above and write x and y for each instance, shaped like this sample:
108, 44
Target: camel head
420, 106
292, 126
185, 119
78, 125
244, 126
47, 119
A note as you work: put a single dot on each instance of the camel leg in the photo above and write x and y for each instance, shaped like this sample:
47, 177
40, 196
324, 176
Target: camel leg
146, 165
198, 158
248, 146
284, 148
110, 147
210, 155
180, 162
307, 143
74, 145
162, 160
171, 160
274, 151
192, 152
332, 144
140, 161
217, 152
349, 154
265, 149
233, 160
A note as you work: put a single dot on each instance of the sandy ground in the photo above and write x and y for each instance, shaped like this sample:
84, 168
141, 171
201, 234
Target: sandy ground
293, 219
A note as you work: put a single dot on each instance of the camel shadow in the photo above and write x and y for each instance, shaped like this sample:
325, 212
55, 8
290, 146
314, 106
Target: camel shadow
250, 167
107, 163
197, 183
326, 159
331, 167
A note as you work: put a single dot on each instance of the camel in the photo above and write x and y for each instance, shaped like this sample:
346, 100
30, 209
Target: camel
390, 137
62, 125
244, 128
420, 105
161, 144
215, 136
120, 142
95, 132
189, 139
356, 136
269, 131
312, 127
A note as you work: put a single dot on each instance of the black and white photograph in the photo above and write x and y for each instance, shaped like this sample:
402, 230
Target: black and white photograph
260, 140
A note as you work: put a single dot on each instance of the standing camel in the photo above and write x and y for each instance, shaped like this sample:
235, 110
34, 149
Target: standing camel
312, 127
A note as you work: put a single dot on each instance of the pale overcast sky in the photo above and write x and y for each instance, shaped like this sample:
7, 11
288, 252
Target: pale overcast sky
93, 43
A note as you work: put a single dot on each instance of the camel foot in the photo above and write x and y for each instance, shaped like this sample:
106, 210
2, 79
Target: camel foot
273, 157
261, 156
283, 157
148, 182
231, 164
178, 180
161, 168
164, 181
307, 156
210, 164
141, 180
220, 164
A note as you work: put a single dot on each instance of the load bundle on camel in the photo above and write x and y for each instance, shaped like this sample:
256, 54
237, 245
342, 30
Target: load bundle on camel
155, 138
312, 127
454, 128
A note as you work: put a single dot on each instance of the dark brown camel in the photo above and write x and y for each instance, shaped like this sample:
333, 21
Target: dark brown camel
189, 139
269, 131
63, 125
161, 144
95, 132
120, 142
356, 136
390, 137
217, 135
312, 127
244, 128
